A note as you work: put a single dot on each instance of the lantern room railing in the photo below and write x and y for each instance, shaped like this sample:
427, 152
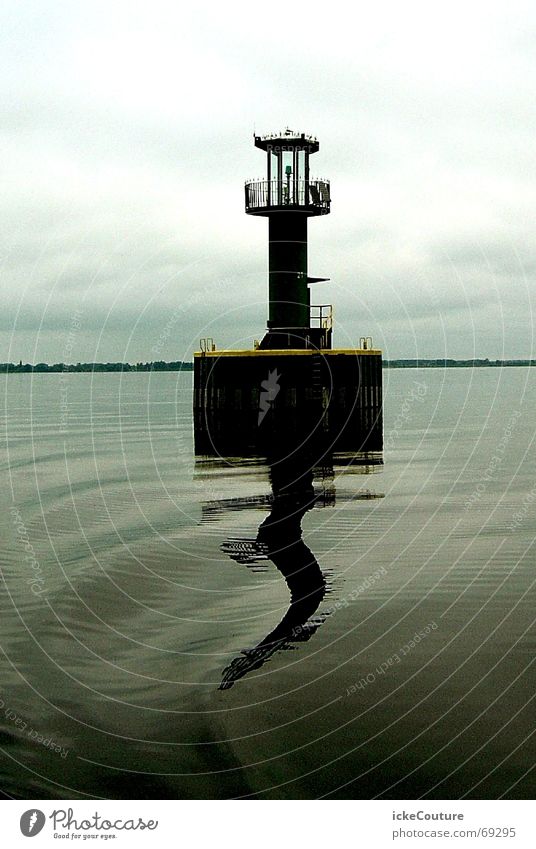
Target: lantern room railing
278, 194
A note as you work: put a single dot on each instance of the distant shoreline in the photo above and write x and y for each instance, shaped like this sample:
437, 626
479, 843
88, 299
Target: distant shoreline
448, 363
78, 368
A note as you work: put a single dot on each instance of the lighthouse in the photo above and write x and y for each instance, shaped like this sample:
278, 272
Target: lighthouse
293, 387
289, 197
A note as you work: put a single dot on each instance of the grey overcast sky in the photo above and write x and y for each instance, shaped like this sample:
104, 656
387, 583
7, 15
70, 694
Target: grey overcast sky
127, 136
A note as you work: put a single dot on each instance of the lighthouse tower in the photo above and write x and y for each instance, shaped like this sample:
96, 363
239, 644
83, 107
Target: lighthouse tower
292, 387
288, 197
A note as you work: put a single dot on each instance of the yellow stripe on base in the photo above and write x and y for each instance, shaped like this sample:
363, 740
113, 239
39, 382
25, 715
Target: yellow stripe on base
290, 352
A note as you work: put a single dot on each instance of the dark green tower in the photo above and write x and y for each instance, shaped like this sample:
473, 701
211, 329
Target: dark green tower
288, 198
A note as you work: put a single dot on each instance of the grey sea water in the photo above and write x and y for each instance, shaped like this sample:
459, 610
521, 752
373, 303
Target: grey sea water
146, 653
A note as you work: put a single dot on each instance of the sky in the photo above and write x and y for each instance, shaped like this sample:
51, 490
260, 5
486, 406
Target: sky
127, 134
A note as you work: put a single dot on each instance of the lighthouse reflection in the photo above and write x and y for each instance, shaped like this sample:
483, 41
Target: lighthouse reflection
279, 539
300, 481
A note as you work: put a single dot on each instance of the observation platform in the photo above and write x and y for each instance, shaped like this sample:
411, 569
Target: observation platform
311, 197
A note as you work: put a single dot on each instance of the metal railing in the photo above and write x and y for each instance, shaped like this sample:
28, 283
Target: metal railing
207, 345
321, 315
265, 194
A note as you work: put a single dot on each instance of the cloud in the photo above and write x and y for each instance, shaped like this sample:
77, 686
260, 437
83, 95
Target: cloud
127, 137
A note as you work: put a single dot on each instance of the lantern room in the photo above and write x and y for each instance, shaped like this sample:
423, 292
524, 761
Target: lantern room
288, 184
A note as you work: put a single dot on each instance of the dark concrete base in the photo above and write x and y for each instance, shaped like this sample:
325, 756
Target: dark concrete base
248, 402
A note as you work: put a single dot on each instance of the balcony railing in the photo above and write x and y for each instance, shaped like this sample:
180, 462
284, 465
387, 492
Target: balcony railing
306, 194
321, 315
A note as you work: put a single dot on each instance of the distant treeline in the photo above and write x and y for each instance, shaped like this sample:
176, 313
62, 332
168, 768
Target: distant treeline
446, 363
159, 365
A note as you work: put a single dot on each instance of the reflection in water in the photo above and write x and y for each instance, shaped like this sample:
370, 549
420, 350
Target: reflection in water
293, 465
280, 540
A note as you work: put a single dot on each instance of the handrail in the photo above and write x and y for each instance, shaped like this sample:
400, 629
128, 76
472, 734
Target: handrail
265, 194
324, 316
207, 345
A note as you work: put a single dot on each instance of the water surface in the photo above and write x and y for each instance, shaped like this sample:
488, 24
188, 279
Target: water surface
144, 596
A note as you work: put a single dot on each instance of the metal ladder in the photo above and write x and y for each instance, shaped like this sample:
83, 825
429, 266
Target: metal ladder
316, 377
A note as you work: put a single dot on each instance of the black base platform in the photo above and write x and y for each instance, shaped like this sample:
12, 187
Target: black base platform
330, 400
